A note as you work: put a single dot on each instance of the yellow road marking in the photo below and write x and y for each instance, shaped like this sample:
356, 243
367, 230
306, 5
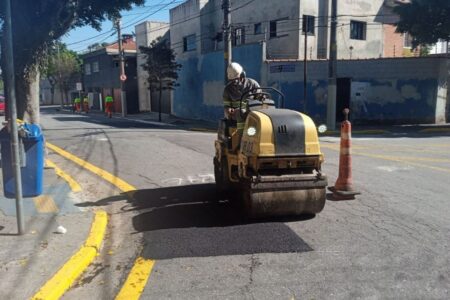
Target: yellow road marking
45, 204
413, 158
119, 183
397, 159
137, 279
74, 186
140, 272
393, 158
74, 267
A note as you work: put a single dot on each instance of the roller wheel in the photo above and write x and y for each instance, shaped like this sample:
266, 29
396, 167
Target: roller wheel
221, 175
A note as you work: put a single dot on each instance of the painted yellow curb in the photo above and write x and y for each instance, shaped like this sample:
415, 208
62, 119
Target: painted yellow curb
74, 186
371, 131
136, 280
431, 130
98, 229
142, 268
75, 266
202, 129
121, 184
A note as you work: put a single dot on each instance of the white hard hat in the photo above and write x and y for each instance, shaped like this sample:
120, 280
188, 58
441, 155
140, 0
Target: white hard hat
234, 70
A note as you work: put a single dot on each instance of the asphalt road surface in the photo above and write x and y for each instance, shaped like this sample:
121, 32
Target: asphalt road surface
392, 242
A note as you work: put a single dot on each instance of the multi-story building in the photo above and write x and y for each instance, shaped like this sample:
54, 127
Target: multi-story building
101, 73
365, 28
146, 33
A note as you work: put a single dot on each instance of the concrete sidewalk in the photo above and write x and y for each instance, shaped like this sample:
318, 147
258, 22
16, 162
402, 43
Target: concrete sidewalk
28, 261
203, 125
393, 130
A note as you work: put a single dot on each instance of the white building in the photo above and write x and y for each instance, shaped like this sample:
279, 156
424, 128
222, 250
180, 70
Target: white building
146, 33
441, 47
196, 27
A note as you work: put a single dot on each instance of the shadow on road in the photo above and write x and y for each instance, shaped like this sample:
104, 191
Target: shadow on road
195, 221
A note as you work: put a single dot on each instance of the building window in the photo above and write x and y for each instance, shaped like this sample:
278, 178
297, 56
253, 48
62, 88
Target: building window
95, 67
407, 40
273, 29
358, 30
258, 28
308, 24
189, 43
87, 69
279, 28
239, 36
219, 37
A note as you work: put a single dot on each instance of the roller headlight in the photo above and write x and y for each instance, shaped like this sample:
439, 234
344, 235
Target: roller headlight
322, 128
251, 131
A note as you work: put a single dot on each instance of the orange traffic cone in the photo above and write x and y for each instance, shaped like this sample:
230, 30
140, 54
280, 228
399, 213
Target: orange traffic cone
343, 188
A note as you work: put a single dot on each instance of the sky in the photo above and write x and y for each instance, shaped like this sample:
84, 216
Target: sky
155, 10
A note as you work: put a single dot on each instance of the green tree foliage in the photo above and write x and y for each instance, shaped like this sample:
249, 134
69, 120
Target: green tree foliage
37, 24
62, 68
161, 67
426, 20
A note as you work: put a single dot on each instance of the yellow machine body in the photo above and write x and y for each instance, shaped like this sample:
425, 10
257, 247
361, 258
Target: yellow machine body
275, 166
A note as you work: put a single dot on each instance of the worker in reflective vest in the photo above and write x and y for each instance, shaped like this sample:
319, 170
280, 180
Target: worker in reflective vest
109, 105
77, 102
86, 104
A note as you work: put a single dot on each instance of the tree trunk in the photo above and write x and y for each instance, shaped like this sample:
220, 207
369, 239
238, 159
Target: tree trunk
52, 90
27, 93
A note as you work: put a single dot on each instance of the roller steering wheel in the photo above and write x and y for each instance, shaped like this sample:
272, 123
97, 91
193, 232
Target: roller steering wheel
260, 96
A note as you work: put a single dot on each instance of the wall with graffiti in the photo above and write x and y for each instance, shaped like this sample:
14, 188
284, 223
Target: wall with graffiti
378, 91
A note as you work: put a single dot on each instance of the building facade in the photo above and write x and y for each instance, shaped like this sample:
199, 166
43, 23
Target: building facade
101, 72
146, 33
365, 28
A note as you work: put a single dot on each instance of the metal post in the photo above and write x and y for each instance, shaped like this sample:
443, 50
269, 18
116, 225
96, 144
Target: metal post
122, 70
226, 6
332, 66
60, 76
11, 85
305, 67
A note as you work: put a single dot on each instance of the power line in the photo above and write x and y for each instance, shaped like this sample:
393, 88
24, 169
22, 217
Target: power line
208, 37
163, 6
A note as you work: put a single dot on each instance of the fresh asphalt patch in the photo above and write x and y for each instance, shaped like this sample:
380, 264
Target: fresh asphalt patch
196, 221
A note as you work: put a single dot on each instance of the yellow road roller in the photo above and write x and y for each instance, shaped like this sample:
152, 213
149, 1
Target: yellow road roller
274, 166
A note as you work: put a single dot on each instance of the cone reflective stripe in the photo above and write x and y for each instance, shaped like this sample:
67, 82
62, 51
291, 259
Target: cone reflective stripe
343, 188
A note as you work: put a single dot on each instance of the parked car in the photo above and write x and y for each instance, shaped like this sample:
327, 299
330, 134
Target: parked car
2, 105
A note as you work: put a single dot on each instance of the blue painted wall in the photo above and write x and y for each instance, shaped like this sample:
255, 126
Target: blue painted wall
197, 72
399, 91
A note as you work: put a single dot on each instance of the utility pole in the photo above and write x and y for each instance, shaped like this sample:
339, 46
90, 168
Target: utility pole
332, 66
60, 76
305, 67
11, 84
123, 77
226, 6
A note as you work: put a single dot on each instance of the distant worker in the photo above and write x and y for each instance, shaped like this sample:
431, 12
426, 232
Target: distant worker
86, 104
238, 84
109, 105
77, 102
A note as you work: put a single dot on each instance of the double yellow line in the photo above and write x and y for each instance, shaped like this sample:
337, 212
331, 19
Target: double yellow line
141, 270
